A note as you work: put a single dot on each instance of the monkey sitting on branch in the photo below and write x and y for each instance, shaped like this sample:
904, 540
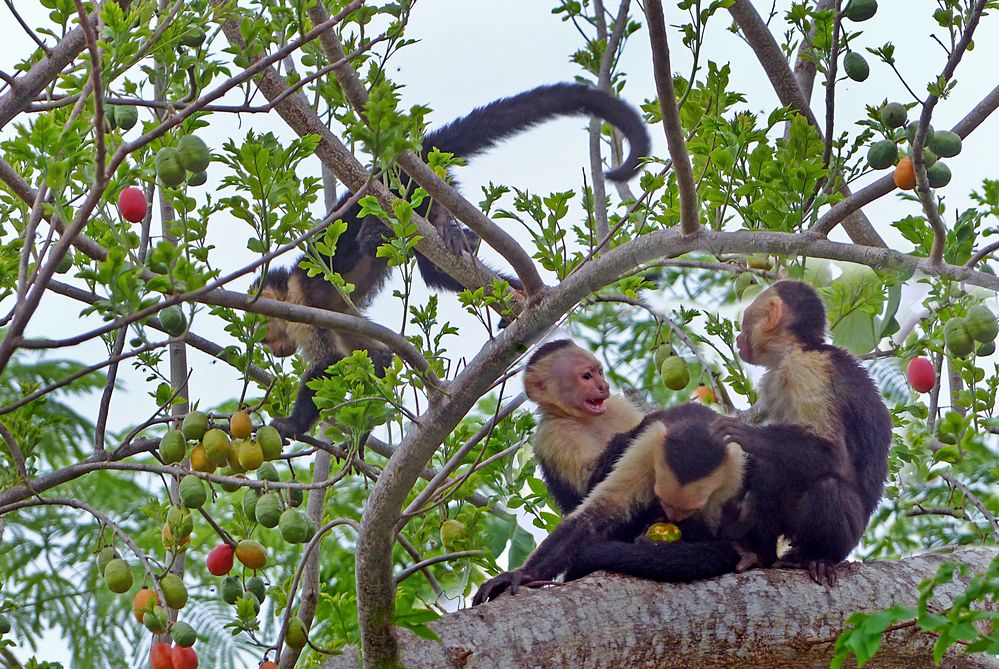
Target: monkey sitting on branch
356, 258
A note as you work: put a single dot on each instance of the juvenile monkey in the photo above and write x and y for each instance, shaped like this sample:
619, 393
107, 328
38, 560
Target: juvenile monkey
356, 259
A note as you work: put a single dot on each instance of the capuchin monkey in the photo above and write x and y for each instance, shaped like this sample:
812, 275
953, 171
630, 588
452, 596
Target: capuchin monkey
668, 465
578, 419
822, 456
356, 259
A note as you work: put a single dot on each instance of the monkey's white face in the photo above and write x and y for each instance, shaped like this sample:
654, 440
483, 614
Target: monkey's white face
583, 388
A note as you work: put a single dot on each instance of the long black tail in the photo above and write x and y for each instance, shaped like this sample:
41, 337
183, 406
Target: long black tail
677, 562
487, 125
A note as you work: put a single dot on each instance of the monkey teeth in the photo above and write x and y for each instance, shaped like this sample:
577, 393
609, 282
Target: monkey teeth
597, 405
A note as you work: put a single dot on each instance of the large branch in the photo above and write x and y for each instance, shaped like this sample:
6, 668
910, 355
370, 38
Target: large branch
764, 618
790, 94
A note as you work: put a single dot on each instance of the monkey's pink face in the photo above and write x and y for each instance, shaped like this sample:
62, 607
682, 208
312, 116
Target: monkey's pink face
277, 339
586, 389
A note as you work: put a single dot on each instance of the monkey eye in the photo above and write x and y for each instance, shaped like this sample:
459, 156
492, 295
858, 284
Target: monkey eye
587, 376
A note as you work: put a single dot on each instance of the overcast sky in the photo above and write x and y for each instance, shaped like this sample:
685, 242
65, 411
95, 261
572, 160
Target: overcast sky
473, 51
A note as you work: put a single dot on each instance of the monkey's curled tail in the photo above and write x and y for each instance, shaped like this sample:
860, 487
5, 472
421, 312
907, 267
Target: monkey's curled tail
485, 126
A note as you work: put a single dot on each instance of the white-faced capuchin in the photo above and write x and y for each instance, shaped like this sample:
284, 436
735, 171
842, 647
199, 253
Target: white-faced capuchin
671, 455
822, 455
578, 418
355, 257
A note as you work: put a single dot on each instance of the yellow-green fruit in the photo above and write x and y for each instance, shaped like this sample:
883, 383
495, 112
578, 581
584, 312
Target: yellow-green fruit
197, 179
168, 167
250, 498
760, 261
173, 320
742, 282
268, 472
118, 576
230, 589
268, 510
856, 67
957, 338
193, 153
251, 554
234, 447
174, 591
195, 424
192, 492
126, 116
179, 520
894, 115
293, 526
270, 442
661, 354
216, 443
231, 486
675, 373
297, 636
200, 461
173, 447
183, 634
981, 323
107, 554
155, 620
451, 530
256, 585
665, 532
250, 455
194, 37
240, 425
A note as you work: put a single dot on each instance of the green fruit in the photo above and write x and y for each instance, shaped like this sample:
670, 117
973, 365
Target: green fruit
742, 282
183, 634
986, 349
110, 116
155, 620
945, 144
270, 442
929, 158
760, 261
981, 323
894, 115
938, 175
268, 472
661, 354
296, 636
234, 486
675, 373
107, 554
126, 116
66, 263
268, 511
194, 425
860, 10
256, 585
168, 167
216, 443
856, 67
179, 521
293, 526
174, 591
295, 496
173, 320
192, 492
194, 37
957, 338
197, 178
230, 589
193, 154
118, 576
173, 447
451, 531
250, 498
250, 455
883, 154
4, 624
910, 133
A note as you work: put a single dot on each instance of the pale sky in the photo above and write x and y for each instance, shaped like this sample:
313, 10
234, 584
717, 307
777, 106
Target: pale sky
474, 51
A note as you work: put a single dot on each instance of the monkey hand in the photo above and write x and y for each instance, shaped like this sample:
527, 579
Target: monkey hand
821, 571
497, 585
726, 430
287, 427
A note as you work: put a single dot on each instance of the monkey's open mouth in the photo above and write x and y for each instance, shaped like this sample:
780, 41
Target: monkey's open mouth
596, 406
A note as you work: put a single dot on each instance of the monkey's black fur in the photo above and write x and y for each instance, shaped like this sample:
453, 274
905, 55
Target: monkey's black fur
809, 324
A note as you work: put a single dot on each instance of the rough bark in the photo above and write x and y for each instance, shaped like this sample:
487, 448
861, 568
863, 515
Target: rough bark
766, 619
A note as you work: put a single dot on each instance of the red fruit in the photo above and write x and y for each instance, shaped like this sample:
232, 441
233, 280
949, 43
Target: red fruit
267, 664
160, 656
132, 204
922, 376
219, 561
184, 658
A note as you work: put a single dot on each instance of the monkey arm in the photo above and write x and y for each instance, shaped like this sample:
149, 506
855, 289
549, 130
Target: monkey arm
304, 413
677, 562
565, 495
790, 452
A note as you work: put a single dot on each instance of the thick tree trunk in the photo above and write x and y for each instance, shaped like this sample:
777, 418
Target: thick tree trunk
766, 619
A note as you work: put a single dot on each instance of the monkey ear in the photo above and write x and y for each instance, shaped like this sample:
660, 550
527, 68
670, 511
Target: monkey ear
773, 314
534, 386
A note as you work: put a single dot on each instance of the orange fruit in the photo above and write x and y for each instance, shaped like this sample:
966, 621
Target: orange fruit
144, 600
240, 425
200, 461
251, 554
905, 174
704, 395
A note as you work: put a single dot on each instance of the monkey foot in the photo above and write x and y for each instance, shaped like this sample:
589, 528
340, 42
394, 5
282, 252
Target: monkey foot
822, 572
747, 560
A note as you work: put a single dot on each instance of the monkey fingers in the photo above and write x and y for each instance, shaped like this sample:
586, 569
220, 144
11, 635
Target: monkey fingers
732, 429
747, 560
822, 572
497, 585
